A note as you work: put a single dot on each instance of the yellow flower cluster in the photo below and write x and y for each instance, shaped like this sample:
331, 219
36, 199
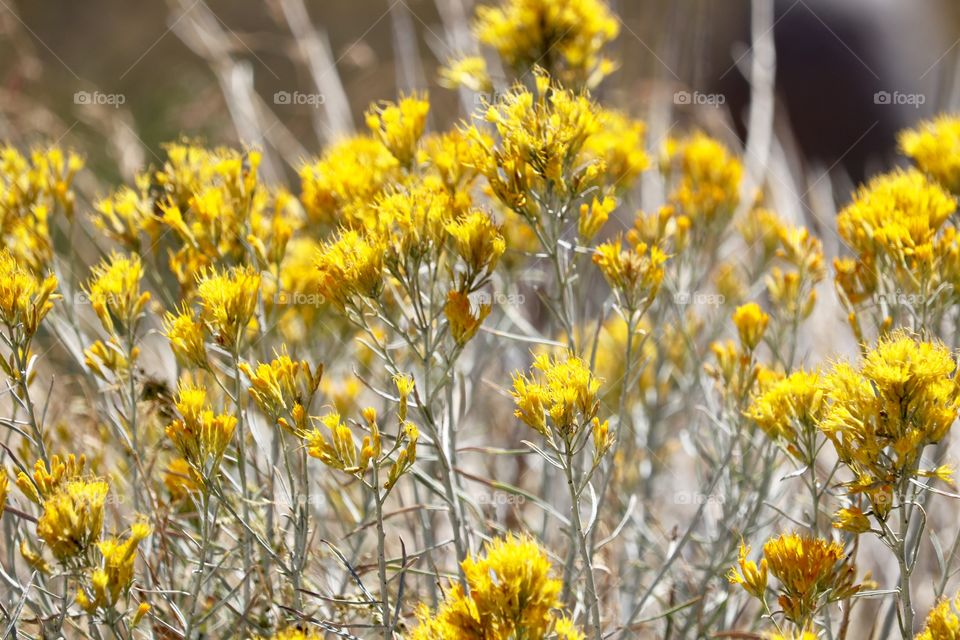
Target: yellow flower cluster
399, 126
114, 292
790, 410
558, 398
882, 415
565, 36
200, 435
25, 299
283, 389
810, 571
707, 187
943, 623
112, 579
228, 303
634, 275
934, 146
553, 145
509, 594
31, 190
72, 519
46, 481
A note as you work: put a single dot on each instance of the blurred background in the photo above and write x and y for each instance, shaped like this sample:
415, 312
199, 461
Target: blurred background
116, 78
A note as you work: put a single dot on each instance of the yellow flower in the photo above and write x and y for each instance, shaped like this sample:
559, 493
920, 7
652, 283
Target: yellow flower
114, 292
752, 577
127, 214
283, 387
593, 216
180, 479
72, 519
4, 490
619, 143
634, 275
31, 189
25, 299
469, 72
808, 569
464, 322
511, 595
881, 416
896, 218
44, 482
790, 411
708, 187
114, 576
340, 451
567, 36
478, 242
935, 146
561, 389
540, 148
943, 623
228, 302
751, 323
851, 519
351, 266
185, 331
399, 125
200, 435
338, 188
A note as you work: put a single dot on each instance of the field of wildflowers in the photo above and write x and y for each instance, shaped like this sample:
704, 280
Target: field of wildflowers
452, 384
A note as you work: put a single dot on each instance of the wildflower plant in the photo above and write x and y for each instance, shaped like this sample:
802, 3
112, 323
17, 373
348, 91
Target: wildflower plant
294, 406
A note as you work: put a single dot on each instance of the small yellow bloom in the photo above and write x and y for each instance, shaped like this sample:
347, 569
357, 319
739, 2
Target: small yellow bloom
593, 216
935, 146
561, 389
114, 292
25, 299
464, 321
399, 125
943, 622
185, 331
228, 302
200, 435
751, 323
851, 519
72, 519
752, 577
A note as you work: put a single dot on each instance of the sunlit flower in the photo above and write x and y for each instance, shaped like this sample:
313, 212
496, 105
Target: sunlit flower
751, 322
25, 299
790, 410
228, 302
511, 595
935, 146
114, 292
72, 519
399, 125
751, 576
566, 36
634, 274
464, 318
558, 397
200, 435
943, 622
113, 577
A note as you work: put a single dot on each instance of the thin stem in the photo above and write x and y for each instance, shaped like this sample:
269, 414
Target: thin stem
593, 602
381, 556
